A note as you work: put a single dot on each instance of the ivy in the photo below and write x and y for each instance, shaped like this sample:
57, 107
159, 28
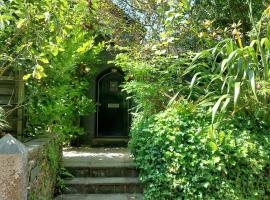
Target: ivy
180, 159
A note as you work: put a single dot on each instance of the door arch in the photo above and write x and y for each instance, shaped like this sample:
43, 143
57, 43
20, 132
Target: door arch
112, 107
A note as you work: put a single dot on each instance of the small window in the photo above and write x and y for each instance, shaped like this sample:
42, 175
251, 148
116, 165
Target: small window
114, 86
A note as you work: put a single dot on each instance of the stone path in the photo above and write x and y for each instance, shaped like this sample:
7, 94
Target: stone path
100, 174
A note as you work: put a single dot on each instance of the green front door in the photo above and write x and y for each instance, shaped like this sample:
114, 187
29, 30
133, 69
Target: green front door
112, 109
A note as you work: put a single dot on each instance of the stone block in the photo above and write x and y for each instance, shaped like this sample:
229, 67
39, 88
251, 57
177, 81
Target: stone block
13, 169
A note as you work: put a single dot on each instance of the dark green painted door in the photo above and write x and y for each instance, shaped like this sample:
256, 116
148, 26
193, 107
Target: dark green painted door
112, 110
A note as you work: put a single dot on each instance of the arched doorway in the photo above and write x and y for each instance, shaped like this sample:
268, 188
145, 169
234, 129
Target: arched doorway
112, 118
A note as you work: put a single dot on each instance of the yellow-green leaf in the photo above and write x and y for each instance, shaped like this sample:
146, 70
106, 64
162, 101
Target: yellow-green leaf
213, 146
20, 23
44, 60
26, 77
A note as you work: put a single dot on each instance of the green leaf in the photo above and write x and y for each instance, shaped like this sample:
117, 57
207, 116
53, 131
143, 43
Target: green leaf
55, 50
44, 60
216, 106
173, 99
265, 42
202, 54
225, 104
221, 136
253, 42
251, 76
217, 159
192, 83
223, 65
213, 146
237, 87
21, 22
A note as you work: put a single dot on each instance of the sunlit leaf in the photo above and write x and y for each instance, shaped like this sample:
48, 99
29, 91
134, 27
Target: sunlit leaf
237, 87
251, 76
213, 146
217, 105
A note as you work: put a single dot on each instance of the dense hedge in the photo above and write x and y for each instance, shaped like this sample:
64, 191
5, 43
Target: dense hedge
181, 158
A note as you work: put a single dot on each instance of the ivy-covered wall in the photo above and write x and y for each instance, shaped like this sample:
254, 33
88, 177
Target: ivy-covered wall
44, 154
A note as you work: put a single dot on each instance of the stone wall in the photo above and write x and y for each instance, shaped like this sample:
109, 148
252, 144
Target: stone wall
28, 171
44, 156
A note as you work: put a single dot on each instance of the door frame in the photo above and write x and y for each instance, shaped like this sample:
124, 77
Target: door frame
101, 76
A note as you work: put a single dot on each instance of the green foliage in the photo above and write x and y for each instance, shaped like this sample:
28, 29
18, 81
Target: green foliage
180, 157
154, 82
225, 13
239, 75
202, 120
33, 32
53, 42
58, 101
3, 122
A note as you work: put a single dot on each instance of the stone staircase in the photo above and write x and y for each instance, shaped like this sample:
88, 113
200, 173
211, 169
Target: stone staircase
100, 174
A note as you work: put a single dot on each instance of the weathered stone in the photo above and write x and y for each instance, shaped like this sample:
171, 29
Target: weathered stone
13, 169
100, 197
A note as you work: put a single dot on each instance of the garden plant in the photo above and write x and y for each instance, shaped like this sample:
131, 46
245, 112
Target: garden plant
197, 72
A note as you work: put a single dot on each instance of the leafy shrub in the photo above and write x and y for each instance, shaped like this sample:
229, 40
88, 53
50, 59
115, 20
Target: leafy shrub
53, 43
180, 157
154, 83
57, 102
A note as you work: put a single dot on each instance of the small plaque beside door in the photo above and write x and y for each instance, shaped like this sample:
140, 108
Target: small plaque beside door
113, 105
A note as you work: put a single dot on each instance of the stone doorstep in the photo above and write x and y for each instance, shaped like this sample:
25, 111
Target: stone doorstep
101, 181
128, 171
100, 197
97, 164
102, 185
110, 141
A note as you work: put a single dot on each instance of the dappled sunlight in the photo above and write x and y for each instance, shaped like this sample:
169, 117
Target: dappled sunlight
72, 154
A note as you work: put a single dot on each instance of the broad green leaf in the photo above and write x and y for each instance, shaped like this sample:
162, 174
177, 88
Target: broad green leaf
237, 87
251, 76
225, 104
213, 146
265, 42
229, 46
202, 54
217, 105
253, 42
223, 65
192, 83
252, 53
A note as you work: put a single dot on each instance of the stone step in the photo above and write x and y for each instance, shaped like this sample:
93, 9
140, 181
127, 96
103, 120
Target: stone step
100, 185
110, 142
103, 171
124, 196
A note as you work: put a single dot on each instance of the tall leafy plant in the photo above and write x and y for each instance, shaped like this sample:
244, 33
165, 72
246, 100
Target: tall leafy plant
238, 77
